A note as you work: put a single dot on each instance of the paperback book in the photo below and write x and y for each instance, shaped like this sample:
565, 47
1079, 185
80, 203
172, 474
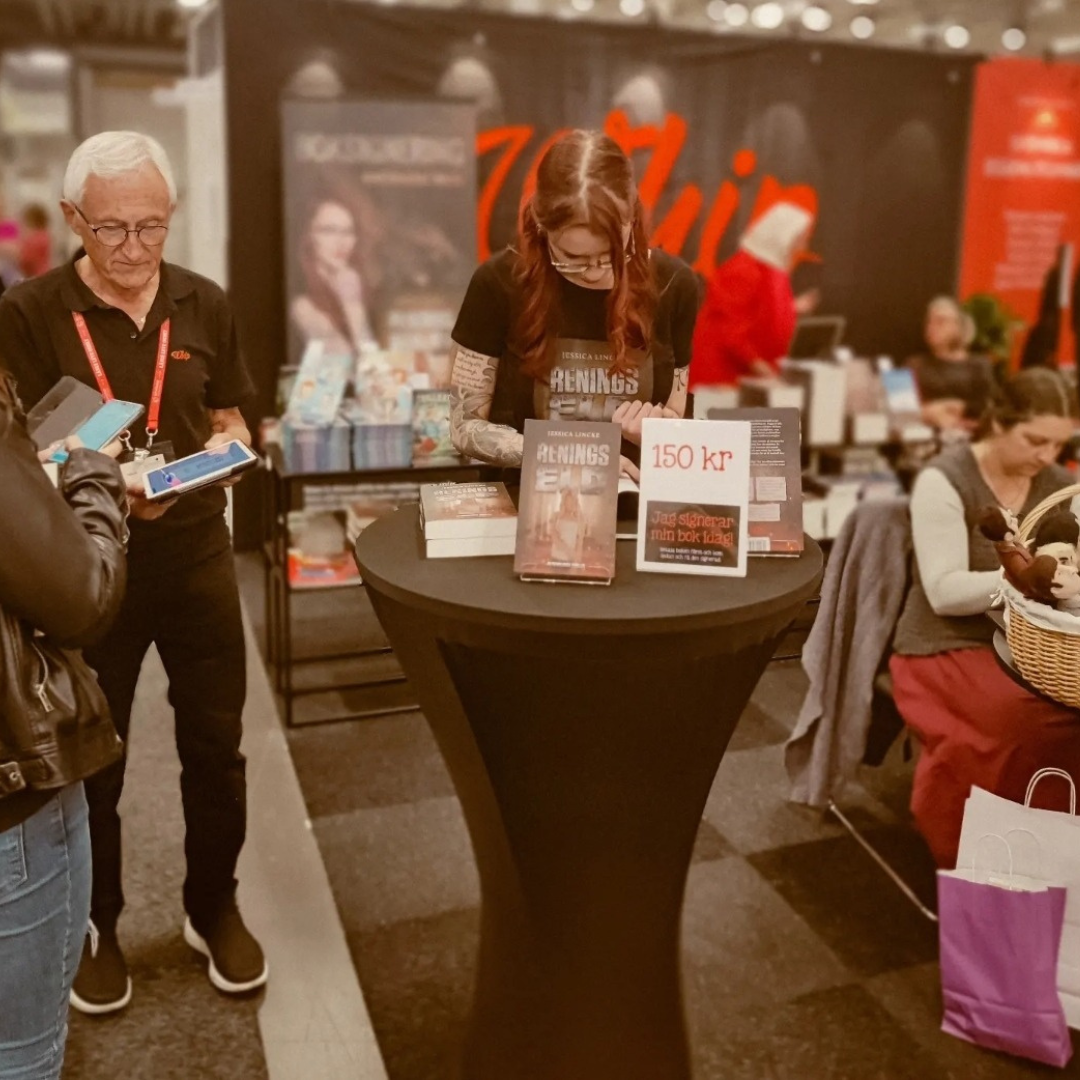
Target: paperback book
316, 394
319, 552
567, 506
774, 508
693, 507
467, 519
431, 427
904, 405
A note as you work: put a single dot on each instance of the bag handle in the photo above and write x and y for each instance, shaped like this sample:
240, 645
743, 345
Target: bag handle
1008, 848
978, 844
1038, 512
1038, 844
1041, 774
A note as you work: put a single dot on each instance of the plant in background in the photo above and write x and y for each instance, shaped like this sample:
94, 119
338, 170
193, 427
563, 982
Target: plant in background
995, 325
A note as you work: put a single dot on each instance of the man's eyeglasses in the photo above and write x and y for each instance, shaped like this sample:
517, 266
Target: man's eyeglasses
116, 235
602, 265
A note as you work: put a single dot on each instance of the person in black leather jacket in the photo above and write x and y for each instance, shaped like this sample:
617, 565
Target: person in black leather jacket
62, 576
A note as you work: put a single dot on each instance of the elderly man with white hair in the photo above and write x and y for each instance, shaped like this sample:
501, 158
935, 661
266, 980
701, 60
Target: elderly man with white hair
120, 318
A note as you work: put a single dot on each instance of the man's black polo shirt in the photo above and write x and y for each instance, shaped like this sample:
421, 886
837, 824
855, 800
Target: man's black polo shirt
39, 343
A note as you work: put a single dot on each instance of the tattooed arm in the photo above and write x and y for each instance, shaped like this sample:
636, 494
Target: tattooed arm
676, 402
472, 387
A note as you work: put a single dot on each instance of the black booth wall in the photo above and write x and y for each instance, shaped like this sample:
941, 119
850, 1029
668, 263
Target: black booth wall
880, 136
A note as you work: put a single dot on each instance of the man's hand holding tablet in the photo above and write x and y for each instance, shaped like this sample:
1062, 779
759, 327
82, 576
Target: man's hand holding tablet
222, 462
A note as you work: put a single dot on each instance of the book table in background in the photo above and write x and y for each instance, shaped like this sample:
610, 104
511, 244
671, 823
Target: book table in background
583, 727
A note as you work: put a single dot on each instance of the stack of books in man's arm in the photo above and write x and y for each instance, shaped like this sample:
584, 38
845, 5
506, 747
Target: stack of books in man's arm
467, 519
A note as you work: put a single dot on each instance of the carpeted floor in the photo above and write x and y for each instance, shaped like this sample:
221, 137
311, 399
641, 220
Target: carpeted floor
801, 960
178, 1027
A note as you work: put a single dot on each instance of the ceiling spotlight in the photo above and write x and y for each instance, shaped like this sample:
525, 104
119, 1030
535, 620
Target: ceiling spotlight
583, 6
816, 18
862, 27
632, 8
191, 5
715, 10
736, 15
957, 36
769, 16
1014, 39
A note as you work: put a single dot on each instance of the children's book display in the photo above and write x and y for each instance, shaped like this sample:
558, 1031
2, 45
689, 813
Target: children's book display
381, 409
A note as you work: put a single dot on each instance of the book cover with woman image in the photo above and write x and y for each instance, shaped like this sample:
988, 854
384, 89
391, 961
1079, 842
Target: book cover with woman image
566, 510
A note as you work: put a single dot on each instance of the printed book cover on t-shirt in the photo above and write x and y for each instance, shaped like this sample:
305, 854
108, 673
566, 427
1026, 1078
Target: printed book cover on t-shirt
774, 512
566, 509
582, 386
472, 509
693, 506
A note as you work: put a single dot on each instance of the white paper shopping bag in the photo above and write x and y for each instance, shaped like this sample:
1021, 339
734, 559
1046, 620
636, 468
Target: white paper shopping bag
1051, 854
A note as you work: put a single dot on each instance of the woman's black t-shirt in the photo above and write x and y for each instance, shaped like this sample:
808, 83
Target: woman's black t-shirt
580, 385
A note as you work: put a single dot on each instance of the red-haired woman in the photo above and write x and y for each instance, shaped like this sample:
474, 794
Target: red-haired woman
579, 320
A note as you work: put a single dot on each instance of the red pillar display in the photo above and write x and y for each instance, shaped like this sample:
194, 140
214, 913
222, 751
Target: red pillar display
1023, 186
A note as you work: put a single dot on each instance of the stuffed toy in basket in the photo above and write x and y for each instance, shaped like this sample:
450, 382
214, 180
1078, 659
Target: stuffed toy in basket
1041, 589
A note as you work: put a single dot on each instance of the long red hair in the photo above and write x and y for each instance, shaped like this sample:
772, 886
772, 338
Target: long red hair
584, 179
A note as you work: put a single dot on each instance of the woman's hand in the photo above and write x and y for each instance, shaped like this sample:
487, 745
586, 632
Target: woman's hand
140, 507
73, 442
762, 369
630, 414
628, 468
806, 303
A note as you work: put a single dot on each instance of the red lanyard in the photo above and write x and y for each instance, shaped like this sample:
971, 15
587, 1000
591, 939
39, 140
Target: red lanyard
96, 366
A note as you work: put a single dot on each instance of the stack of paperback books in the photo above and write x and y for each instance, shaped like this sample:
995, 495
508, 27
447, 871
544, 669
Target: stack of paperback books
467, 519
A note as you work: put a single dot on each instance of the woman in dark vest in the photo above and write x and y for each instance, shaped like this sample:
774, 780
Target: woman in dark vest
976, 725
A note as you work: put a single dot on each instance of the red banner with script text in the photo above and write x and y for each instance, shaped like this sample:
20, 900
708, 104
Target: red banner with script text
1023, 186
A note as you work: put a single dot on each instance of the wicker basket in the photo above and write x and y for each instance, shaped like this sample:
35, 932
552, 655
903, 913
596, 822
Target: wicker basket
1047, 655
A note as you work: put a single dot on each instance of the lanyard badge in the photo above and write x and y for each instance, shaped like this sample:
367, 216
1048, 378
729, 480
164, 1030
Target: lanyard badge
153, 413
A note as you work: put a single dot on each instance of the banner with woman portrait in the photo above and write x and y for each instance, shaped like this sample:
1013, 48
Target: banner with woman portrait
380, 226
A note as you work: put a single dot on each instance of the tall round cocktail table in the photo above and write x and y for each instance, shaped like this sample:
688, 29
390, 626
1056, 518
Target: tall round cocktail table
583, 727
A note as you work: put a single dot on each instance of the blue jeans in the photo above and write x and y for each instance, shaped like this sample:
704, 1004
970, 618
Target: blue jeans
44, 910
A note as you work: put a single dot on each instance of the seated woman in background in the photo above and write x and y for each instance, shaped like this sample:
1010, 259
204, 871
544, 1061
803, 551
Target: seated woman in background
955, 387
976, 725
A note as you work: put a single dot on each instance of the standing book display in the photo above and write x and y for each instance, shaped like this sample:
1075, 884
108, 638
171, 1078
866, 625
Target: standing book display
693, 507
566, 510
774, 513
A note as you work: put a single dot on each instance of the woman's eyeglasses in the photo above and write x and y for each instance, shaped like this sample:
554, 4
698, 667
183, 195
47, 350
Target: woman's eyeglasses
601, 265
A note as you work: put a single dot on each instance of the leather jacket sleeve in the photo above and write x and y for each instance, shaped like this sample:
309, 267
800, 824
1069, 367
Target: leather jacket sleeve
62, 553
